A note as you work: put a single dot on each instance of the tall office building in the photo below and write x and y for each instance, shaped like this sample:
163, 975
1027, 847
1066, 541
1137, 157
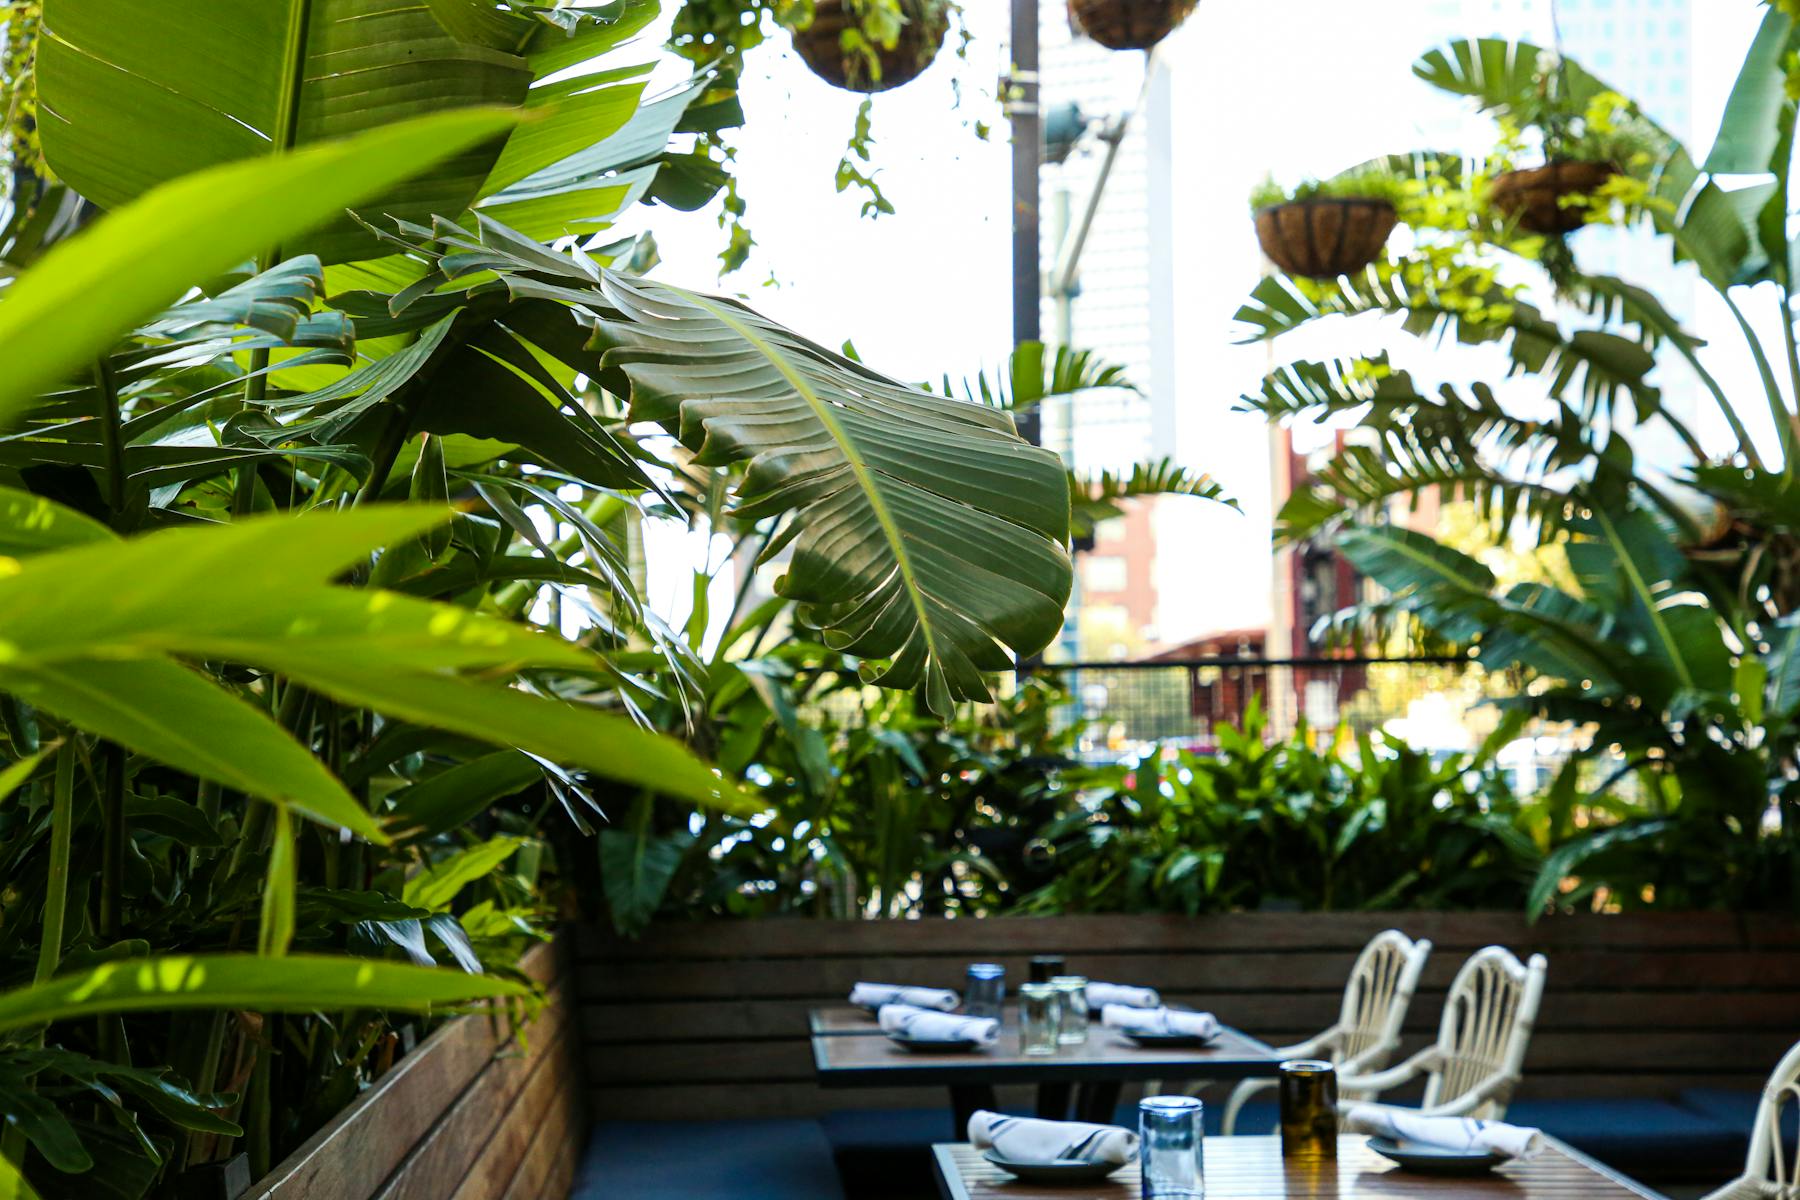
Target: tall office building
1132, 264
1121, 307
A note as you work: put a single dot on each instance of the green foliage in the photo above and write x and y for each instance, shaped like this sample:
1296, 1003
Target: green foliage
1338, 826
1371, 182
291, 531
1665, 669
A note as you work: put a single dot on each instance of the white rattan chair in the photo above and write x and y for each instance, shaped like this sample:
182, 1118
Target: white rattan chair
1768, 1175
1368, 1026
1479, 1056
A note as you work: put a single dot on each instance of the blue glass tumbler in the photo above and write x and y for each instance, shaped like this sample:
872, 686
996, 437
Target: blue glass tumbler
1171, 1155
984, 995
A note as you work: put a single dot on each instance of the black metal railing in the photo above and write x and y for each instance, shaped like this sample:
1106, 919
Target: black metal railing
1127, 705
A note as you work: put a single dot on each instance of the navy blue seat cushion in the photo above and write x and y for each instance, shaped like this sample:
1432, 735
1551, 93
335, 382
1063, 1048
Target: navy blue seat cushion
1638, 1135
1737, 1110
708, 1160
886, 1152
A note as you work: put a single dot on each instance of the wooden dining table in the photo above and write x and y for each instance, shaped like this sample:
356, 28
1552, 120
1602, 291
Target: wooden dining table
1251, 1168
849, 1051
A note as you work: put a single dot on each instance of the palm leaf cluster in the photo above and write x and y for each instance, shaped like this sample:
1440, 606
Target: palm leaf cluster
313, 450
1671, 643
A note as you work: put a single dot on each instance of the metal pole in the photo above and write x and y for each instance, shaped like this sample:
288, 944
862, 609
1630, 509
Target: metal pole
1027, 157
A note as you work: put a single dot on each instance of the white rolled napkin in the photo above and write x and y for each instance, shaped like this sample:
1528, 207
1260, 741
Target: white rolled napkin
874, 995
1448, 1133
1028, 1139
1159, 1020
930, 1025
1099, 995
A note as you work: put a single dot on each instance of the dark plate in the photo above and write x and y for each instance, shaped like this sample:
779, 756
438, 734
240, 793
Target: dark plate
1169, 1040
1052, 1172
918, 1046
1434, 1160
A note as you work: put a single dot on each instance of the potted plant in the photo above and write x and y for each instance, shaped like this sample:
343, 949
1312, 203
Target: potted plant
1326, 228
1128, 24
869, 45
1586, 140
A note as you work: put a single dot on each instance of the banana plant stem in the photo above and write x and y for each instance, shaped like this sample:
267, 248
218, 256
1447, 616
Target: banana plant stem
112, 443
56, 899
56, 904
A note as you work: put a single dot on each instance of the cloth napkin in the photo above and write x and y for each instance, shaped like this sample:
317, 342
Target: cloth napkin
1028, 1139
1159, 1020
1099, 995
1448, 1133
874, 995
929, 1025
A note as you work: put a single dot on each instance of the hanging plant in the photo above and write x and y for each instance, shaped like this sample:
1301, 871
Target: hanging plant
870, 45
1589, 142
1555, 198
865, 46
1326, 229
1128, 24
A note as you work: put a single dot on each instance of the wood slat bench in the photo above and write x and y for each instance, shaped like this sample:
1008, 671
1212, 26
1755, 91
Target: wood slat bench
475, 1112
673, 1024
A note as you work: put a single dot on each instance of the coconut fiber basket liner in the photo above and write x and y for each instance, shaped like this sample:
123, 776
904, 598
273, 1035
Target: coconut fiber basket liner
1534, 197
1129, 24
819, 45
1325, 236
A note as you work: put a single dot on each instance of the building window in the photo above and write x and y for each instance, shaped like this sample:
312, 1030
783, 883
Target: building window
1106, 573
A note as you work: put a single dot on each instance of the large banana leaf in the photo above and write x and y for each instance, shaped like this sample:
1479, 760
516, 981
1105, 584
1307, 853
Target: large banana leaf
298, 983
259, 592
135, 93
929, 533
1749, 131
87, 291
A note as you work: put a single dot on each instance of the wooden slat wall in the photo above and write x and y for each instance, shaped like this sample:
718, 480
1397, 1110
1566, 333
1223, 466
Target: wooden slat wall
476, 1112
674, 1023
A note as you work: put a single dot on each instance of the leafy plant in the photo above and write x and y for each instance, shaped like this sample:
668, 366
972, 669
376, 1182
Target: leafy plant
1369, 825
296, 505
1365, 183
1672, 643
718, 34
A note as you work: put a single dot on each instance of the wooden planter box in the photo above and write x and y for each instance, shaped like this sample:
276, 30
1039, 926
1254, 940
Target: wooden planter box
471, 1114
673, 1024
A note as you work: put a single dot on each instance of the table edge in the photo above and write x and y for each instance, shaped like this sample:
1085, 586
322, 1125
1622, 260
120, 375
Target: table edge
951, 1187
1049, 1069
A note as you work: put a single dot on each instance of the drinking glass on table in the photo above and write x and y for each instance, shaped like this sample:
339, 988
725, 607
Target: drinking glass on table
1046, 967
1309, 1116
1040, 1018
984, 995
1171, 1154
1073, 990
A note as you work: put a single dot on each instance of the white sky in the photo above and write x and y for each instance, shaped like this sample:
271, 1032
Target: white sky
1293, 87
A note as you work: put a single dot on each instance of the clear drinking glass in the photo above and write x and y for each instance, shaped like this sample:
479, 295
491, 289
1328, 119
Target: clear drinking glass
1040, 1018
1046, 967
984, 995
1309, 1120
1073, 990
1172, 1154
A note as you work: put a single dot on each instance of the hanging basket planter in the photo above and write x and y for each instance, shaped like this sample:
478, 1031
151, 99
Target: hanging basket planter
1325, 236
1128, 24
821, 46
1534, 197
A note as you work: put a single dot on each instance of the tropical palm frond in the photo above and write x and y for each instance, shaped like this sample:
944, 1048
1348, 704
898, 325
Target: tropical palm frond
1033, 374
1596, 365
1407, 464
1098, 498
